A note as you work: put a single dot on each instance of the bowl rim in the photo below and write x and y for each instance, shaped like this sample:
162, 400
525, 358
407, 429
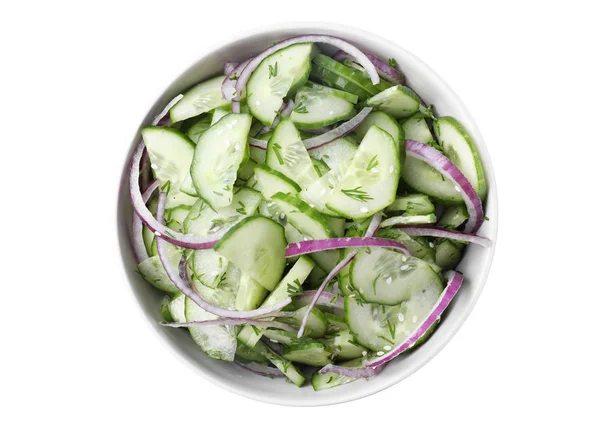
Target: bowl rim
492, 203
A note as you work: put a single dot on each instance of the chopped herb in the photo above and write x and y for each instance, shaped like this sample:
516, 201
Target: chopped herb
221, 280
294, 290
277, 150
301, 108
392, 329
166, 187
330, 380
241, 210
368, 250
386, 339
218, 193
169, 233
486, 218
373, 163
256, 329
234, 77
357, 194
335, 298
392, 62
273, 71
227, 188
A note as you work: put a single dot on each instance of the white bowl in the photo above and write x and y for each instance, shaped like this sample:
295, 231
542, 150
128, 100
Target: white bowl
475, 264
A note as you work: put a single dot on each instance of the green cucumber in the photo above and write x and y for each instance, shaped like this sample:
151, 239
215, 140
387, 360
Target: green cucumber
270, 182
218, 156
454, 216
256, 245
195, 127
285, 366
320, 167
177, 307
425, 179
250, 294
287, 154
258, 154
218, 342
311, 354
343, 346
277, 75
223, 295
303, 217
397, 101
316, 326
417, 246
448, 254
318, 193
330, 379
326, 260
336, 152
389, 277
386, 123
334, 80
245, 354
201, 98
296, 276
164, 309
350, 97
335, 323
281, 336
152, 271
316, 109
352, 75
411, 204
416, 128
337, 225
460, 149
409, 220
370, 183
219, 113
246, 171
208, 267
174, 217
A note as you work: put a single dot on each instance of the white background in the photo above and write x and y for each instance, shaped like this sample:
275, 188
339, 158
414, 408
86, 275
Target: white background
77, 356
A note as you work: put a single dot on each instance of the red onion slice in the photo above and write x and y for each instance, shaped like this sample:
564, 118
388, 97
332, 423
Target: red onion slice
455, 281
162, 119
373, 226
184, 287
328, 299
336, 133
228, 88
384, 69
323, 39
257, 143
229, 67
188, 241
352, 372
257, 368
434, 231
440, 162
285, 110
232, 322
137, 238
312, 246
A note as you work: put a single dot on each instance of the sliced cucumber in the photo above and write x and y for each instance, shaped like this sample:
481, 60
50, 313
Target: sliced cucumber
380, 328
416, 128
175, 217
277, 75
409, 220
334, 80
411, 204
336, 152
319, 192
223, 295
317, 109
370, 183
350, 97
218, 157
246, 170
314, 281
201, 98
418, 246
311, 354
198, 127
303, 217
220, 112
335, 323
326, 260
243, 353
383, 121
388, 277
316, 325
285, 366
250, 294
337, 225
208, 267
350, 74
343, 346
281, 336
425, 179
330, 379
256, 245
270, 182
177, 307
171, 155
460, 149
296, 277
218, 342
398, 101
382, 85
320, 167
287, 154
448, 254
153, 272
202, 220
257, 154
164, 309
454, 216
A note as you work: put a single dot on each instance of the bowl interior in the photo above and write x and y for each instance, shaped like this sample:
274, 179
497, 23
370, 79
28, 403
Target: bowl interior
475, 264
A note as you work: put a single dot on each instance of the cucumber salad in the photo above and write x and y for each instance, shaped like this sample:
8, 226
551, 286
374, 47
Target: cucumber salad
304, 212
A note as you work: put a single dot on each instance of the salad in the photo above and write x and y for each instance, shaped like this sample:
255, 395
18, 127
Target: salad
304, 213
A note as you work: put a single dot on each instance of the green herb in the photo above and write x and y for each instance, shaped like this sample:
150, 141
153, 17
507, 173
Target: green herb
301, 108
169, 233
368, 250
273, 71
359, 301
386, 339
227, 188
335, 298
256, 329
234, 77
221, 280
166, 187
392, 329
241, 210
486, 218
357, 194
373, 163
218, 193
392, 62
330, 380
294, 290
277, 150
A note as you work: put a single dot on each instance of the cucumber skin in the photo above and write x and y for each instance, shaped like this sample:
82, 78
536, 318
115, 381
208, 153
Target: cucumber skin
353, 75
336, 81
291, 353
273, 172
306, 209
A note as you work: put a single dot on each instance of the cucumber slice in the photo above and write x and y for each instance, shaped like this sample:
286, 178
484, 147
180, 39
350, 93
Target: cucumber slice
296, 276
208, 267
164, 309
320, 167
350, 97
285, 366
326, 260
337, 226
371, 181
380, 328
316, 325
256, 245
270, 182
311, 354
425, 179
219, 113
242, 352
454, 216
314, 281
389, 125
388, 277
281, 336
448, 254
398, 101
223, 295
411, 204
287, 154
171, 155
319, 192
350, 74
277, 75
331, 79
342, 345
250, 293
201, 98
418, 246
257, 154
336, 152
218, 342
409, 220
175, 217
330, 379
303, 217
198, 127
460, 149
316, 109
218, 157
335, 323
152, 271
202, 220
416, 128
247, 170
177, 307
